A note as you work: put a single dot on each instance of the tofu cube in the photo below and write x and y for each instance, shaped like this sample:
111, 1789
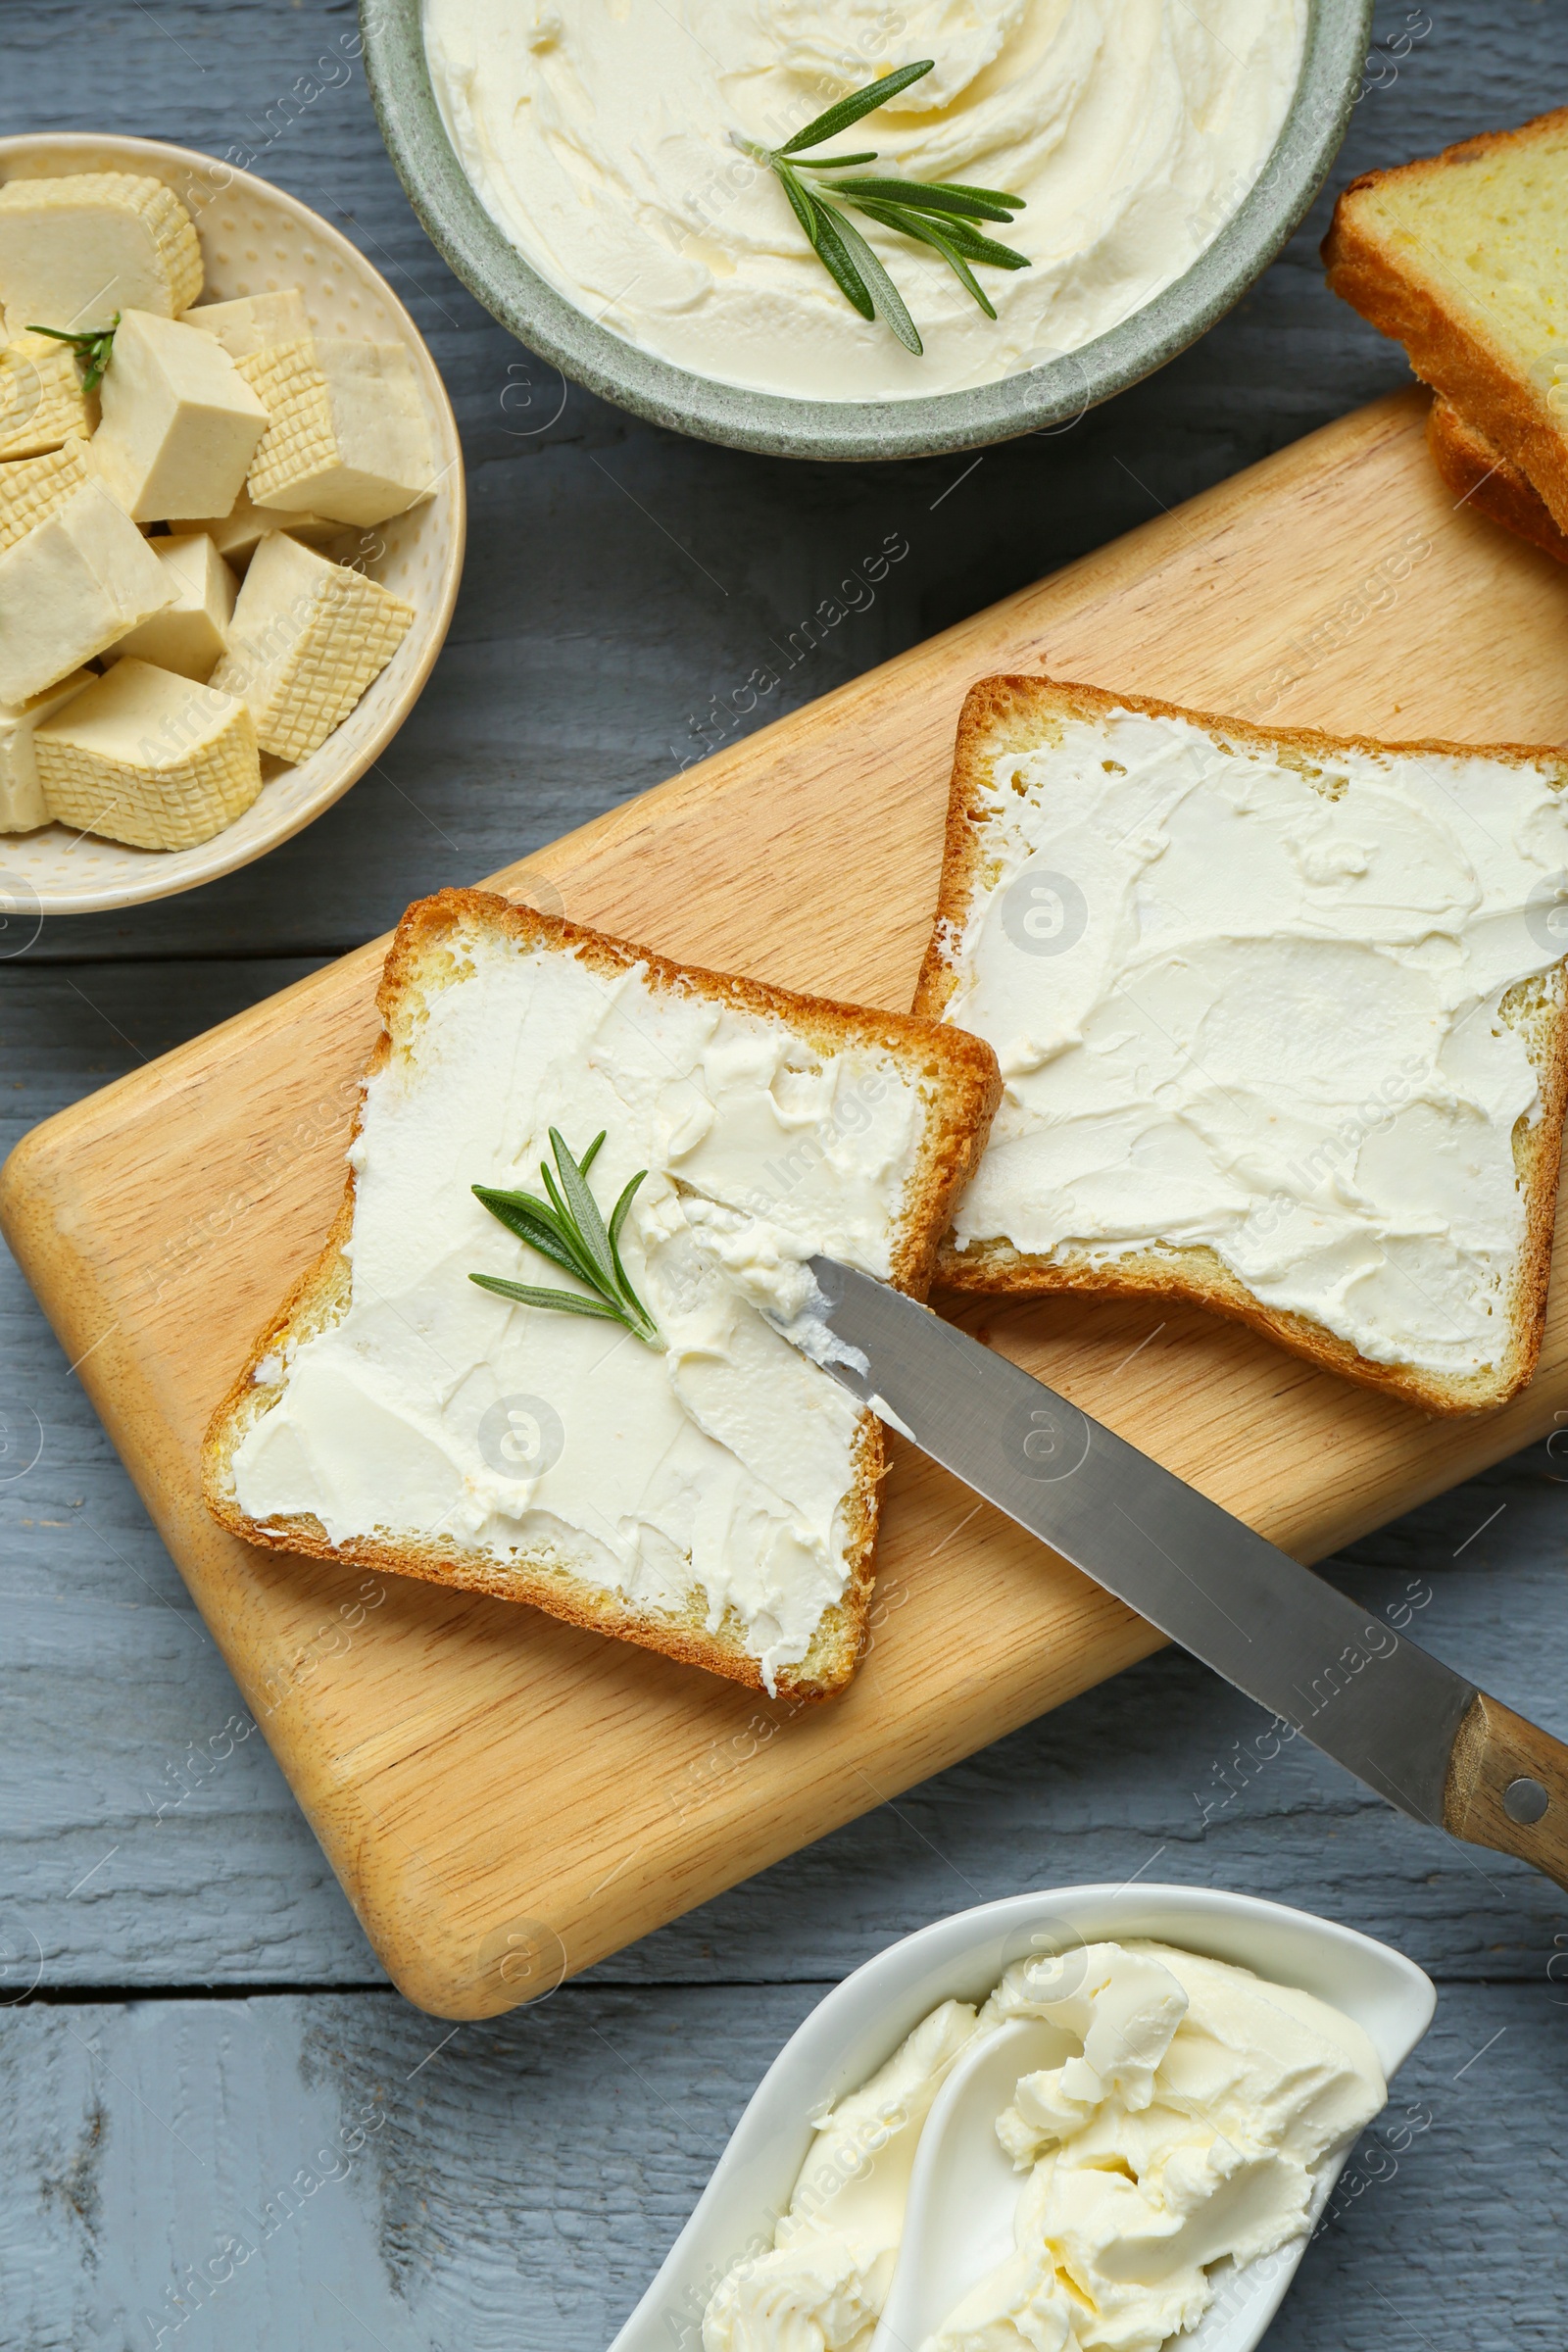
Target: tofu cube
180, 425
190, 634
348, 434
31, 489
77, 583
255, 323
149, 758
22, 803
42, 403
75, 250
237, 535
307, 638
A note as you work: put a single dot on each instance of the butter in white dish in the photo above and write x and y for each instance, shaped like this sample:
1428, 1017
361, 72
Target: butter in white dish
42, 400
31, 489
598, 140
22, 807
253, 322
71, 587
237, 535
149, 757
1186, 2122
1281, 1024
304, 640
76, 250
190, 635
131, 409
712, 1495
347, 434
179, 426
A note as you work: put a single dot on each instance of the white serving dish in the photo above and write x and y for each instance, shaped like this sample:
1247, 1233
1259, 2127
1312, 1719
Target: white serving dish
254, 240
861, 2022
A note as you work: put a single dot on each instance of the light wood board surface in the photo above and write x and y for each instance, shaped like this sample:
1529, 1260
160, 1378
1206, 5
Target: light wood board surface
505, 1797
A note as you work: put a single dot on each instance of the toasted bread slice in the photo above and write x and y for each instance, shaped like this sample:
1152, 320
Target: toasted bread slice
1281, 1024
1464, 259
1478, 475
713, 1495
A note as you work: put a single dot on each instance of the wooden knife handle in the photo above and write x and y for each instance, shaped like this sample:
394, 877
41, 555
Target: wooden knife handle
1507, 1787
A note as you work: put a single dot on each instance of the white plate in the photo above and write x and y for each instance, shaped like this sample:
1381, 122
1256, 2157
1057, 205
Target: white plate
861, 2023
255, 239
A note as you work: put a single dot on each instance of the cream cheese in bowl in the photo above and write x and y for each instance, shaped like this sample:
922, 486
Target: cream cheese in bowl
1202, 2059
1178, 2123
597, 135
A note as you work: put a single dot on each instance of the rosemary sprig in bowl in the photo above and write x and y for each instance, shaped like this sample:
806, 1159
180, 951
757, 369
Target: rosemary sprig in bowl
93, 347
938, 213
569, 1229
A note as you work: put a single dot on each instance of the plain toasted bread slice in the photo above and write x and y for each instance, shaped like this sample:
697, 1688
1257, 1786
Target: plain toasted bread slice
1463, 257
433, 1123
1006, 720
1478, 475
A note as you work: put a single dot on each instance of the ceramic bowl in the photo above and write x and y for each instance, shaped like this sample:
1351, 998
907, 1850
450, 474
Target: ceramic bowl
550, 323
862, 2021
255, 238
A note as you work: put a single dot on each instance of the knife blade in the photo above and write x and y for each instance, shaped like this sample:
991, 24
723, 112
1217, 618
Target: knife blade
1413, 1730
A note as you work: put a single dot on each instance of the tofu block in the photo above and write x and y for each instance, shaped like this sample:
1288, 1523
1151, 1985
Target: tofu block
149, 758
75, 250
23, 806
255, 323
180, 425
76, 584
31, 489
237, 535
42, 403
347, 434
190, 635
307, 638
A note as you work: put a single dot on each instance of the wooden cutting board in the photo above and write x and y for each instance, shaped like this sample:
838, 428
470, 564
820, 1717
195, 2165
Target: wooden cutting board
506, 1799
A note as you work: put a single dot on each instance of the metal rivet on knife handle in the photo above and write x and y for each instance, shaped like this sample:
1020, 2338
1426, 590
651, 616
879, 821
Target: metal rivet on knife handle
1525, 1800
1508, 1787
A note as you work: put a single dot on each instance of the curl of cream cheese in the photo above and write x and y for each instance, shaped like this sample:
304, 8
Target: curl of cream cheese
1193, 2104
1249, 1003
597, 135
719, 1463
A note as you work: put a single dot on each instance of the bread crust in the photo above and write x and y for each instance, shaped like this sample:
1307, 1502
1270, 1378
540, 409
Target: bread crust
965, 1088
1445, 349
1477, 474
1003, 714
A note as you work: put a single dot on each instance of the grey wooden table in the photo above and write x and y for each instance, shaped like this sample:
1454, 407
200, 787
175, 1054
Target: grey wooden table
218, 2126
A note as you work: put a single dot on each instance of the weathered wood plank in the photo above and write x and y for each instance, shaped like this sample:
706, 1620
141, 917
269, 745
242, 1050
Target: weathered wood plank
330, 2171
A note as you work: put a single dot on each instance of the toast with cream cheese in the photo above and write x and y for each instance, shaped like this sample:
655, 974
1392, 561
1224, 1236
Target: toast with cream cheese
1282, 1026
1463, 257
709, 1493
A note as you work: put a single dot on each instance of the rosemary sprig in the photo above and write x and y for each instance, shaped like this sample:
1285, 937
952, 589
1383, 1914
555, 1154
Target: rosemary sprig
938, 213
92, 348
569, 1229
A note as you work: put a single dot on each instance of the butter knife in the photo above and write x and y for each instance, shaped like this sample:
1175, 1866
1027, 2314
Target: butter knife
1418, 1734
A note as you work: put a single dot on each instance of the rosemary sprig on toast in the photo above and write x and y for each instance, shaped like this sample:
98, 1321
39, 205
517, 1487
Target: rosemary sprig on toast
569, 1229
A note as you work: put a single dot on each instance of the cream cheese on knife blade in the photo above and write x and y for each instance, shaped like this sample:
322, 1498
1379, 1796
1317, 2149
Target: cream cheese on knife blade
722, 1460
597, 135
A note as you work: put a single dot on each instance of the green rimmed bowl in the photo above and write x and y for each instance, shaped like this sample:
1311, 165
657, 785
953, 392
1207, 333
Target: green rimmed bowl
778, 425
